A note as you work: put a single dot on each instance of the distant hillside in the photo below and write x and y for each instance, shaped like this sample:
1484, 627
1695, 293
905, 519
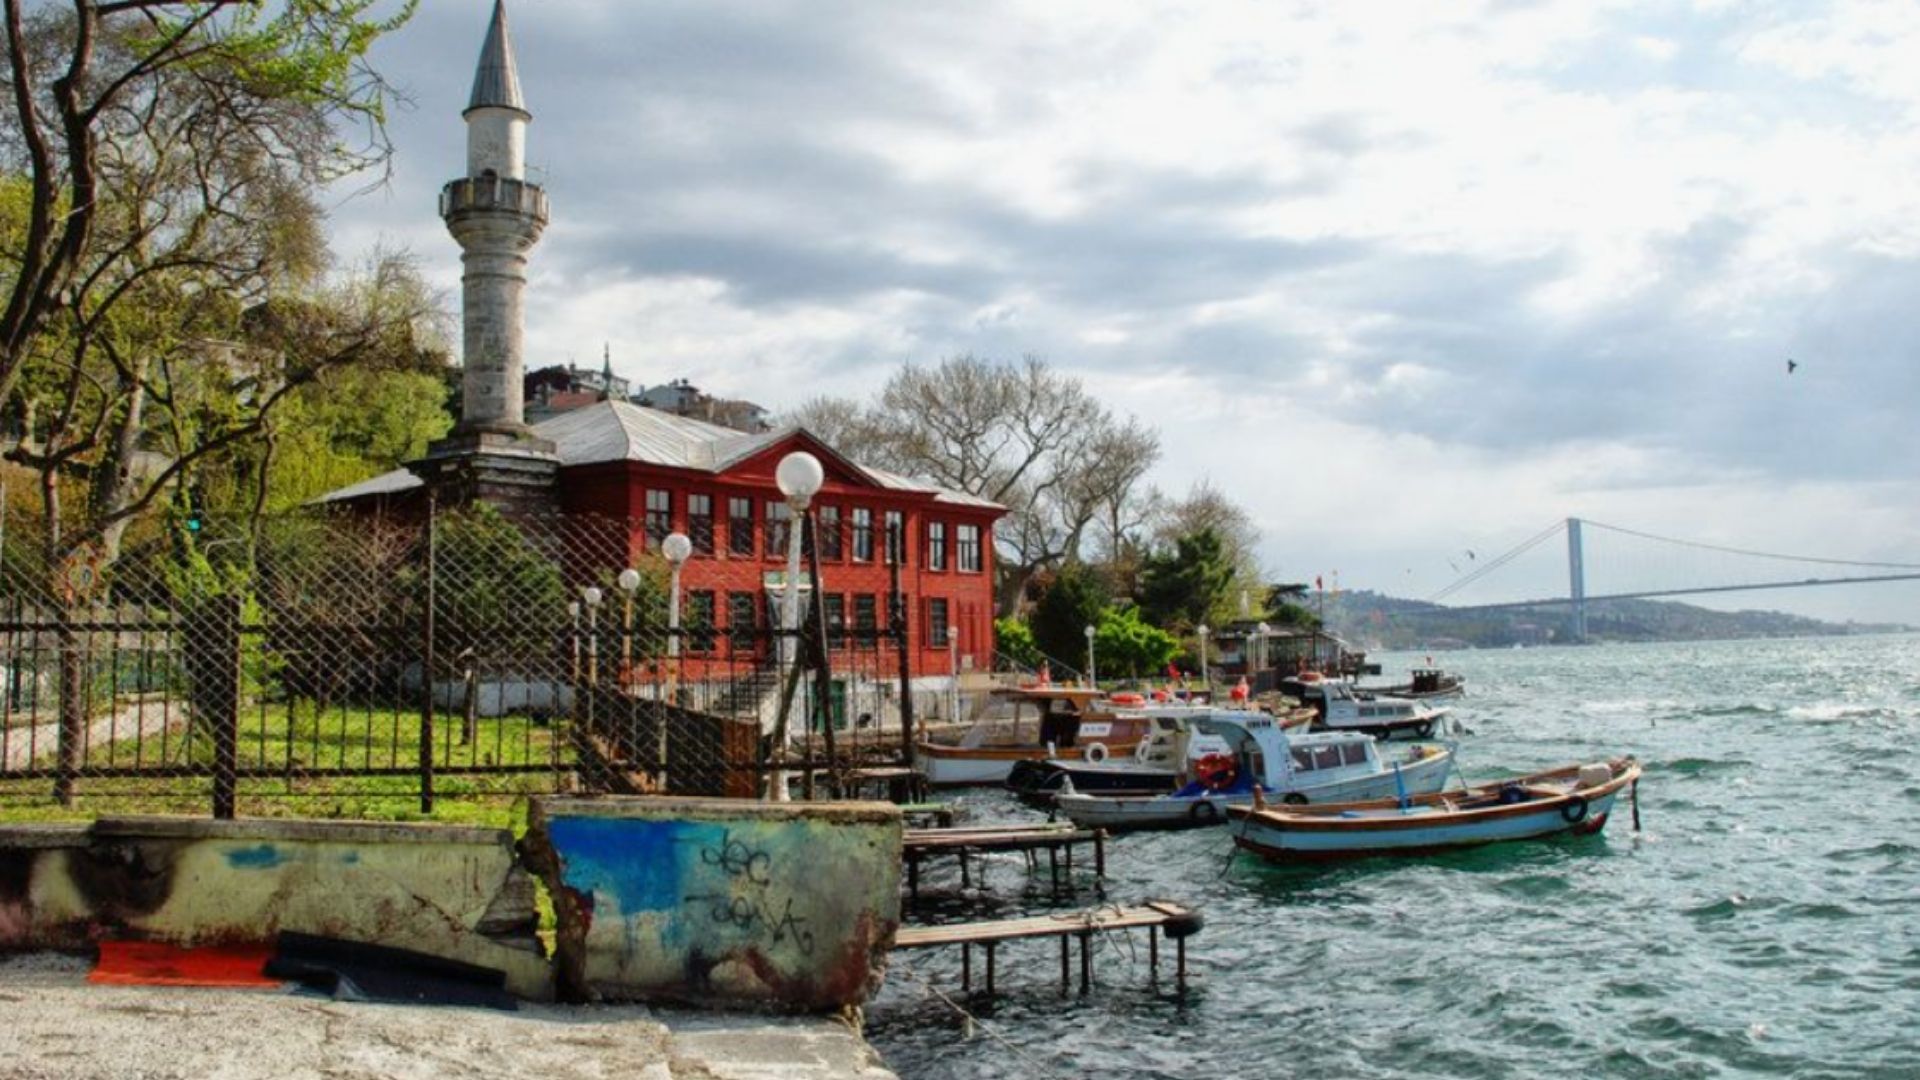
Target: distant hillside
1386, 622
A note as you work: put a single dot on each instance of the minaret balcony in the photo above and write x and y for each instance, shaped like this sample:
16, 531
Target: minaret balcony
493, 193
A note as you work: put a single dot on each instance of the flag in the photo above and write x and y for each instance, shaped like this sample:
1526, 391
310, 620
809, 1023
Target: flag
1318, 584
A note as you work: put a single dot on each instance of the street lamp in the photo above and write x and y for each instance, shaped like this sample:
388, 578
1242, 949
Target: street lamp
799, 477
1093, 675
676, 547
1205, 675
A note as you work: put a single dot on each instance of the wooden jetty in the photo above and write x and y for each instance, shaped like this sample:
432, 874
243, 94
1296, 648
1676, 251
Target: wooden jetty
1058, 841
1176, 921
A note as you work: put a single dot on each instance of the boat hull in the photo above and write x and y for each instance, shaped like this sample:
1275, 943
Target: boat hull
1432, 825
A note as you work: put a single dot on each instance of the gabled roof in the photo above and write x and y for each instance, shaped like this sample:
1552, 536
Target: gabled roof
611, 431
496, 82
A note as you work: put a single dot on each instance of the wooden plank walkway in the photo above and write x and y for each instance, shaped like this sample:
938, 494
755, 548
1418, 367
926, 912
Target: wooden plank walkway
1058, 841
1178, 921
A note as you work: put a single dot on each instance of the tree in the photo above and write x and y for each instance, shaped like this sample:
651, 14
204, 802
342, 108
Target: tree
160, 157
1021, 435
1188, 584
1123, 643
1286, 606
1071, 602
1013, 639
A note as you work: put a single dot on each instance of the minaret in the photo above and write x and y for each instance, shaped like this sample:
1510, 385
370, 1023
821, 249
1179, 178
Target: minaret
497, 217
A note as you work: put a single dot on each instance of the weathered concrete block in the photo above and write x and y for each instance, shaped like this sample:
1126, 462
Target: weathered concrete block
447, 891
720, 901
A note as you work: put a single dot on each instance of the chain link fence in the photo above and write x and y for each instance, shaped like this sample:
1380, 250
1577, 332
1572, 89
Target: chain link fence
364, 666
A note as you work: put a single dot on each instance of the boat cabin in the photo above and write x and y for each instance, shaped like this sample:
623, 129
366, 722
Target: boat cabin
1283, 760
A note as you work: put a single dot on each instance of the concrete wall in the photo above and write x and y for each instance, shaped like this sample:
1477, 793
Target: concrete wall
720, 901
447, 891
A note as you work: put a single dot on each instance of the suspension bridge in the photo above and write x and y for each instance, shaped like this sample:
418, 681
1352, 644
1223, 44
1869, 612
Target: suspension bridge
1631, 564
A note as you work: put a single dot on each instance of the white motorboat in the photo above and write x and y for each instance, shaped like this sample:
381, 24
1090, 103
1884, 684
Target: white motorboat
1343, 708
1314, 767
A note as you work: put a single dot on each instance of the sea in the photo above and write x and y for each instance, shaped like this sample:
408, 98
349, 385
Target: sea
1765, 921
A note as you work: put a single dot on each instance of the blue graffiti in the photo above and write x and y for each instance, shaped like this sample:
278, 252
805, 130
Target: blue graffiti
258, 857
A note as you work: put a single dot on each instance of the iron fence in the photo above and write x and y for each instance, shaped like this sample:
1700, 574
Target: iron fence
360, 665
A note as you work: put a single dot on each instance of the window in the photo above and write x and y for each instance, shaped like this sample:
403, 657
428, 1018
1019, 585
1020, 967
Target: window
779, 526
1353, 753
896, 538
836, 618
828, 522
700, 523
1326, 757
1302, 758
740, 612
866, 613
699, 621
966, 553
862, 534
740, 526
659, 516
936, 624
936, 545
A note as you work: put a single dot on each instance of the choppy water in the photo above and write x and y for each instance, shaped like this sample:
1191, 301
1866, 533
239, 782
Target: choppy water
1767, 922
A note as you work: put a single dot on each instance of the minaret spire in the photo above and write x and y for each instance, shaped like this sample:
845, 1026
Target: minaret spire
496, 82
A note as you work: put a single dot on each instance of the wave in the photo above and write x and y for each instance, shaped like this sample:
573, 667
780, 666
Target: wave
1838, 713
1890, 849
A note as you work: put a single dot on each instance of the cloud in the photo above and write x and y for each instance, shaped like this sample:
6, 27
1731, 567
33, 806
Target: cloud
1533, 253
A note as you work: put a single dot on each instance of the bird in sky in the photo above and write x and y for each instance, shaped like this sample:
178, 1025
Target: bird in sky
1791, 365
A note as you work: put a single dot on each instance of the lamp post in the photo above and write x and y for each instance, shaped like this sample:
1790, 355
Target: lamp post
1205, 675
629, 583
799, 477
590, 601
1093, 673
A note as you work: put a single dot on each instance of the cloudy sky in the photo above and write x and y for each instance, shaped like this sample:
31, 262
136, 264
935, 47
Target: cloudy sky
1408, 280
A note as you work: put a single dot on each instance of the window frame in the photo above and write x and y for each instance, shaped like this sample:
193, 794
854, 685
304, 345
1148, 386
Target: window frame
741, 538
700, 526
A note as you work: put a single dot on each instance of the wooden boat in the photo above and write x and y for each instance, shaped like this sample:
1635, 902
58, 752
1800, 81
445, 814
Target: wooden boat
1329, 766
1426, 684
1069, 719
1576, 798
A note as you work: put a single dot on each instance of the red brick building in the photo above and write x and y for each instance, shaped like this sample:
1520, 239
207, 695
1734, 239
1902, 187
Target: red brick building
663, 473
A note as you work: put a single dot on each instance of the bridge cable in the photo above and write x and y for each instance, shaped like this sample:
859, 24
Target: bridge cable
1753, 554
1496, 563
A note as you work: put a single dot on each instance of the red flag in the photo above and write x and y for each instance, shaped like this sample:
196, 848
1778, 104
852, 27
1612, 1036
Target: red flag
1318, 584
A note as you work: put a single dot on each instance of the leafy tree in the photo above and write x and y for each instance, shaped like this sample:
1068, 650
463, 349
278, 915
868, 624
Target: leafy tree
1123, 643
1071, 602
1013, 639
1286, 606
1189, 583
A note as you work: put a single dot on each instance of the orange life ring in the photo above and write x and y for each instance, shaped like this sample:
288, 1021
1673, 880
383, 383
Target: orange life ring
1127, 699
1310, 676
1215, 771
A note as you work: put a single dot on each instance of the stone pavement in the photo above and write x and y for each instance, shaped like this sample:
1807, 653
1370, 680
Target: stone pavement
55, 1024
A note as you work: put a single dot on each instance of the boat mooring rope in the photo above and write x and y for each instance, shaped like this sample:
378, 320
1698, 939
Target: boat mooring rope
975, 1023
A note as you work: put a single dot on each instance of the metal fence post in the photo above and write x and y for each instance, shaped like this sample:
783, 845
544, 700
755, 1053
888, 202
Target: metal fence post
221, 697
426, 668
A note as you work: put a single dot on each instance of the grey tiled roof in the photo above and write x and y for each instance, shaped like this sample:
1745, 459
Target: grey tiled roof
620, 431
496, 82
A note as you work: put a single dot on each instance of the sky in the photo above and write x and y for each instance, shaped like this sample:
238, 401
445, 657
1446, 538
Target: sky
1408, 281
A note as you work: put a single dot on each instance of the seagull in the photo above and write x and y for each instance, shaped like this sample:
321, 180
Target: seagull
1791, 364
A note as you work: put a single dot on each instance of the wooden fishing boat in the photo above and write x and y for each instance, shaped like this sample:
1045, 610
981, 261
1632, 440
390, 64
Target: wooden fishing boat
1426, 684
1575, 798
1070, 720
1327, 766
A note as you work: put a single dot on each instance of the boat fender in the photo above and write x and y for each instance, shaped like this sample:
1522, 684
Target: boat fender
1203, 812
1575, 809
1183, 926
1423, 729
1096, 753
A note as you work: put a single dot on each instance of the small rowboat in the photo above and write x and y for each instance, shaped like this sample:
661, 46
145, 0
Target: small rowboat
1576, 798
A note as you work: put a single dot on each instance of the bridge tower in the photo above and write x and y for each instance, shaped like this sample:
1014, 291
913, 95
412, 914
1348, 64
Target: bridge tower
1577, 579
